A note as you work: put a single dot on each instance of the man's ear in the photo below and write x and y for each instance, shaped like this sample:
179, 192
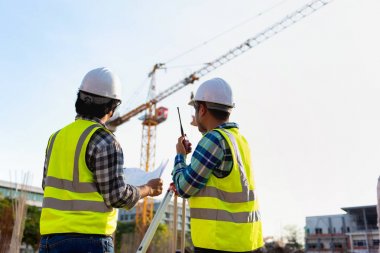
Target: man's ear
202, 109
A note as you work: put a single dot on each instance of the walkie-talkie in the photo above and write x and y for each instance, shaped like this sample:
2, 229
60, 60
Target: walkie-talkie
185, 142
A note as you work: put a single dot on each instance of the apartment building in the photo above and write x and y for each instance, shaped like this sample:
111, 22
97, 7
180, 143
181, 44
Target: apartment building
355, 231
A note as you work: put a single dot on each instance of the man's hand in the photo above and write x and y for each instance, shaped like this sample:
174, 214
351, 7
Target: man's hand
183, 146
152, 188
155, 187
172, 187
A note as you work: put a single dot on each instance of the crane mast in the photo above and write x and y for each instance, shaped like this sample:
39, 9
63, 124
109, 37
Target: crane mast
259, 38
153, 116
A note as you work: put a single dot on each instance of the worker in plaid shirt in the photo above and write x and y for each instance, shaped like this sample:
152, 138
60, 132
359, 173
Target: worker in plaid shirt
83, 174
219, 180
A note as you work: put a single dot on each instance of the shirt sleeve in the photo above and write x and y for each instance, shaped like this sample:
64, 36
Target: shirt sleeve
46, 163
207, 157
105, 159
45, 170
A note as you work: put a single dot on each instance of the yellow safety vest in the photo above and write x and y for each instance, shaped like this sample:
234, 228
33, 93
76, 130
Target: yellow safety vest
71, 202
225, 213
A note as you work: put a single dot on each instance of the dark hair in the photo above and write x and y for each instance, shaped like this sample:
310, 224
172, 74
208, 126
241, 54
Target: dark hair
218, 114
90, 109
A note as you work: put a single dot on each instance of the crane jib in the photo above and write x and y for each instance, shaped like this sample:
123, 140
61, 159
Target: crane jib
262, 36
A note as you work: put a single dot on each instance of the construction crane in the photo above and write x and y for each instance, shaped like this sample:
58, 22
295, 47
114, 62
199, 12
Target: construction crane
152, 117
155, 116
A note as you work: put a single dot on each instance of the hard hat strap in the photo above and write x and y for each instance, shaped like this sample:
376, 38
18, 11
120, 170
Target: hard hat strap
89, 98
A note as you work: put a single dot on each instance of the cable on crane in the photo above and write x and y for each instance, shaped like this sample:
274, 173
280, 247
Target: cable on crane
248, 44
164, 65
227, 31
185, 66
133, 98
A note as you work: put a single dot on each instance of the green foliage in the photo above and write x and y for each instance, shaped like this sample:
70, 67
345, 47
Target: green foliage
6, 223
4, 203
31, 234
161, 242
32, 227
123, 228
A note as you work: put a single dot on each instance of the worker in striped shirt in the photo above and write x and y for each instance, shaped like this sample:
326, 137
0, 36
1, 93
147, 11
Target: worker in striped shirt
219, 179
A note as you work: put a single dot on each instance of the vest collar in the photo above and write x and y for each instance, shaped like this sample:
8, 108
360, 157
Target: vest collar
93, 119
228, 125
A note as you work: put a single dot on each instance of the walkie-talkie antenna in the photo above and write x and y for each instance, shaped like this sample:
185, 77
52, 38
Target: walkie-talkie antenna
180, 123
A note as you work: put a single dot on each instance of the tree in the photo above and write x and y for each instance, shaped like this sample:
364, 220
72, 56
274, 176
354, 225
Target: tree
31, 235
127, 240
32, 227
121, 229
6, 223
294, 235
162, 239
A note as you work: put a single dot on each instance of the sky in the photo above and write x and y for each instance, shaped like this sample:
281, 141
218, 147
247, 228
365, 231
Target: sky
307, 99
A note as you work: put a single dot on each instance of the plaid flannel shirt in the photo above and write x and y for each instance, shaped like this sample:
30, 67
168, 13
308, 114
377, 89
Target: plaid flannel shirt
104, 158
211, 156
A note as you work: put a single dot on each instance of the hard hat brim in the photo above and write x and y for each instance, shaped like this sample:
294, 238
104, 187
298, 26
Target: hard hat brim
213, 106
218, 107
191, 103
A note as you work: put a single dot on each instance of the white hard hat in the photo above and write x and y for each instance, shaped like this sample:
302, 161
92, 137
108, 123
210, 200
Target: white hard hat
102, 82
217, 92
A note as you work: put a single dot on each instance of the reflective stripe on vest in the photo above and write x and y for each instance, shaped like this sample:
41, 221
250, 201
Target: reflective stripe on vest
232, 197
224, 214
75, 205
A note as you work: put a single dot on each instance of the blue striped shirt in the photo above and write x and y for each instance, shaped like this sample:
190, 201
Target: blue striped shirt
211, 156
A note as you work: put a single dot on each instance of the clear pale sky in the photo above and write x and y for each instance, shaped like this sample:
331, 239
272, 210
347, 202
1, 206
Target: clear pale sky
307, 100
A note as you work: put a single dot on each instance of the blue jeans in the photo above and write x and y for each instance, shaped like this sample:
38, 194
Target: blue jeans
76, 243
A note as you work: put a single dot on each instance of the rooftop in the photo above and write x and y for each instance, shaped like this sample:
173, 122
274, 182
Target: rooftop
28, 188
